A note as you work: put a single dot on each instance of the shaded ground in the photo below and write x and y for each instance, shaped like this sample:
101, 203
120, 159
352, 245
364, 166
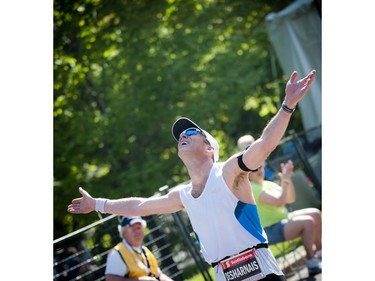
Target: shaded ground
294, 266
304, 276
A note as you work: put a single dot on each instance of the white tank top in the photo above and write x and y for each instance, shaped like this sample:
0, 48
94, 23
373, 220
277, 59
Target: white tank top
224, 226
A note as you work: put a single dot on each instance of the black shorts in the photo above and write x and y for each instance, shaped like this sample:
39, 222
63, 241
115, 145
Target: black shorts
273, 277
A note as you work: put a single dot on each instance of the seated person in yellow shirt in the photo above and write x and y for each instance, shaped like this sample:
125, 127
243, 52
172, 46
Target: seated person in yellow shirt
278, 223
129, 259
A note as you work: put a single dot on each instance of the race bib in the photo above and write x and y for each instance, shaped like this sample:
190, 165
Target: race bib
244, 266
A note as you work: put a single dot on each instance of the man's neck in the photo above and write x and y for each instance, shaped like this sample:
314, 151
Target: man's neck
197, 166
199, 174
137, 249
196, 191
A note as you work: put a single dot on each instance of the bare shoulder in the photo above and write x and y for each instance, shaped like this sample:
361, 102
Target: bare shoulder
174, 192
238, 181
232, 173
174, 196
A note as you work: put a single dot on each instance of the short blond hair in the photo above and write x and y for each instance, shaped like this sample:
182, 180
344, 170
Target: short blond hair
245, 141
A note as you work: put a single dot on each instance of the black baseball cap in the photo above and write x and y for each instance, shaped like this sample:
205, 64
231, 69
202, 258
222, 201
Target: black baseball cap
184, 123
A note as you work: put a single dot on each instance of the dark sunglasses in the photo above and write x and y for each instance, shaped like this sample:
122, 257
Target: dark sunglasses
193, 131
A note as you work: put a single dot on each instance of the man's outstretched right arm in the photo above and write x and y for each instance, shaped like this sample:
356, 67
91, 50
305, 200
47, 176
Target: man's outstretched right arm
132, 206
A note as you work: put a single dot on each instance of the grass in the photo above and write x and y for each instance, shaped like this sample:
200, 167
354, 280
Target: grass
277, 252
199, 276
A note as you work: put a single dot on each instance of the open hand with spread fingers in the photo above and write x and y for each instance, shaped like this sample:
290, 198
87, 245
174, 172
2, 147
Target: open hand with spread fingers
295, 90
83, 205
286, 170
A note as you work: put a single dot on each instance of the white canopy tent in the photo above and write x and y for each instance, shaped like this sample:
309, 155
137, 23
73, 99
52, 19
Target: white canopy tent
295, 33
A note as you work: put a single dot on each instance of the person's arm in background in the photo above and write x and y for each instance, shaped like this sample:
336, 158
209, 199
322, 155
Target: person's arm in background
287, 194
286, 181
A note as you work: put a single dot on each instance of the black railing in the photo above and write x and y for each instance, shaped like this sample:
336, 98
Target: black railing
81, 255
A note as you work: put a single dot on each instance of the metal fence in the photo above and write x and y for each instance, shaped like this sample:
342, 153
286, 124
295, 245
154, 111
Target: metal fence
82, 254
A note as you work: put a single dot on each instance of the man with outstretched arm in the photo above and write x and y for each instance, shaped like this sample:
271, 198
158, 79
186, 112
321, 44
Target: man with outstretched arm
218, 199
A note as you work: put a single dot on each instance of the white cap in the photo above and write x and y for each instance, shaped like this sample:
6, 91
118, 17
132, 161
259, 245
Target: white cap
129, 221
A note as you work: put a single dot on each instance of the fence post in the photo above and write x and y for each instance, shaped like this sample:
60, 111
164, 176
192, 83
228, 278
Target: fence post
167, 260
189, 243
302, 155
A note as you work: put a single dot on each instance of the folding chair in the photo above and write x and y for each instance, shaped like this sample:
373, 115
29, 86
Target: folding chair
290, 256
306, 196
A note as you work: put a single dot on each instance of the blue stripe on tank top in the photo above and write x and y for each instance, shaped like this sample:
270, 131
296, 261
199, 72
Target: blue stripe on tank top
197, 238
248, 217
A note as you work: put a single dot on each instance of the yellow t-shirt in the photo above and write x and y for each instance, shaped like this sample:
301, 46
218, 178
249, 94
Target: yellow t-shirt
268, 214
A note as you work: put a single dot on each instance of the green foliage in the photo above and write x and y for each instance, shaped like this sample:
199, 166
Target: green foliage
125, 70
193, 274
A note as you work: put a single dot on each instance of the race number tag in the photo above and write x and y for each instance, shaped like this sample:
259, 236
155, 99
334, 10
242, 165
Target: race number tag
244, 266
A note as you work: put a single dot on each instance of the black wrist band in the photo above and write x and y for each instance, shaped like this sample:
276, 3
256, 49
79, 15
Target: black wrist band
287, 109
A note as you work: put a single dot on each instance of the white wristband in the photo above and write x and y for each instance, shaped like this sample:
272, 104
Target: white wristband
99, 205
